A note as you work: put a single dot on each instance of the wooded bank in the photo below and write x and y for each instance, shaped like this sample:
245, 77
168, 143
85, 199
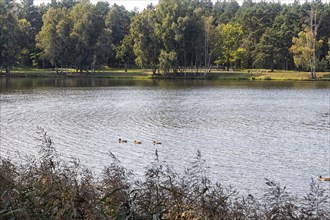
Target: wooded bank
172, 37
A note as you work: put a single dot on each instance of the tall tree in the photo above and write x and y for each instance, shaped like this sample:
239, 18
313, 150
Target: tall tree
167, 61
286, 25
146, 44
267, 52
328, 56
118, 21
303, 50
54, 37
12, 31
209, 41
255, 18
33, 15
229, 42
225, 11
314, 18
86, 31
124, 51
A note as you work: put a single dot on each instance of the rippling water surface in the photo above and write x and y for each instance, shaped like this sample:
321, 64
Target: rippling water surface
246, 131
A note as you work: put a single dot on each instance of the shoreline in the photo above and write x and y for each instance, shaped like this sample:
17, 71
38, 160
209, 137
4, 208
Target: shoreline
142, 74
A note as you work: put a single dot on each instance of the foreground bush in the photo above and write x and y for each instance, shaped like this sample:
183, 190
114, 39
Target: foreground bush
49, 188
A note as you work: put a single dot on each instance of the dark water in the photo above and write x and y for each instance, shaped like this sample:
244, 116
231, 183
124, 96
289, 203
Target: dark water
246, 131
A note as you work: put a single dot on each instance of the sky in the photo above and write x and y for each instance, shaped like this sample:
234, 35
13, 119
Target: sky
129, 4
141, 4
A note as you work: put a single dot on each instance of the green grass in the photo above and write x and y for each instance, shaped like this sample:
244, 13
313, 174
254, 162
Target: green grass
144, 74
134, 74
257, 74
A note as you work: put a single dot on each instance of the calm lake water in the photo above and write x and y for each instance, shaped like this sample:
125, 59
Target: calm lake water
246, 131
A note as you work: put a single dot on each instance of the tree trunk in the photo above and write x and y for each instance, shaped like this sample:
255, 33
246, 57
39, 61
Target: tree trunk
228, 62
206, 51
154, 70
314, 25
93, 68
56, 68
8, 70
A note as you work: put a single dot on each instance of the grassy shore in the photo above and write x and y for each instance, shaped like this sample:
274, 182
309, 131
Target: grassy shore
145, 74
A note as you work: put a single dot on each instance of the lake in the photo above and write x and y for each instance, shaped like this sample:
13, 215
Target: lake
246, 131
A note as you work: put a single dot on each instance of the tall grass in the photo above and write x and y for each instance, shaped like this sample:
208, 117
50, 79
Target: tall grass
50, 188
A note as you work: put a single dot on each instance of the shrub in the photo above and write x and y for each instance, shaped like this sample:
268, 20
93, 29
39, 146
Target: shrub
50, 188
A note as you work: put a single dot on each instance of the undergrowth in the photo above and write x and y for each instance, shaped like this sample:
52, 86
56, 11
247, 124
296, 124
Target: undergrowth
50, 188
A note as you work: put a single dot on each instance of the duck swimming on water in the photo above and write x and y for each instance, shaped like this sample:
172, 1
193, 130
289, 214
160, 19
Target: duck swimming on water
157, 142
137, 142
122, 141
324, 178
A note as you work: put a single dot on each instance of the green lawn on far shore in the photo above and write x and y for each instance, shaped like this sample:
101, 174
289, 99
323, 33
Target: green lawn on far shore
144, 74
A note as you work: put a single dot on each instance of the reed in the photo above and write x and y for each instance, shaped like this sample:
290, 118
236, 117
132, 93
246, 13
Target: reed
51, 188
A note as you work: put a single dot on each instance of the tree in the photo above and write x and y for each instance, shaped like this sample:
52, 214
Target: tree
267, 52
124, 51
103, 49
12, 31
209, 41
225, 11
54, 37
255, 18
229, 37
328, 57
102, 9
146, 44
167, 61
324, 30
87, 27
314, 18
33, 15
303, 50
286, 25
118, 21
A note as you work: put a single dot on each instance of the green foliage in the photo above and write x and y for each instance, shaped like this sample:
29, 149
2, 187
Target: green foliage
12, 34
81, 35
229, 42
124, 51
302, 49
225, 11
268, 50
146, 44
54, 37
166, 61
118, 21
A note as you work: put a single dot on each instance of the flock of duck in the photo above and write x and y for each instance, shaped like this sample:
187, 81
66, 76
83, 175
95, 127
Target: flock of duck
137, 141
157, 142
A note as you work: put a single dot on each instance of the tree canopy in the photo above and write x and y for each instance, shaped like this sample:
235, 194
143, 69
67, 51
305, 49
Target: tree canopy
173, 36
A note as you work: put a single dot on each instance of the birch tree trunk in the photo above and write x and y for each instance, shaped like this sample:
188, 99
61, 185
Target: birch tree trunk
314, 26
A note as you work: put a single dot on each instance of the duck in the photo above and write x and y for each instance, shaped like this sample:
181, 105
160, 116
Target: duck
122, 141
157, 142
137, 142
324, 178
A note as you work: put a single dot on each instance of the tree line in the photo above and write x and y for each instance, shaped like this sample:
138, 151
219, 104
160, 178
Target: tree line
176, 36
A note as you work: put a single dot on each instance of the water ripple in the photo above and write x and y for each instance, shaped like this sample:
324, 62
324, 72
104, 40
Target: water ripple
246, 133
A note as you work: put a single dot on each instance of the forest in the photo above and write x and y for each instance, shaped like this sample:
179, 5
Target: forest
175, 36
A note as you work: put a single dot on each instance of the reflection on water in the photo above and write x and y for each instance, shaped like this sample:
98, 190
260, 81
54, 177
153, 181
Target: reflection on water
28, 83
247, 131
